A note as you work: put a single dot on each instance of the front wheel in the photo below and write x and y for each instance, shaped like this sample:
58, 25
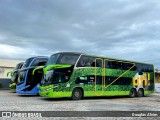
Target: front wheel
77, 94
132, 93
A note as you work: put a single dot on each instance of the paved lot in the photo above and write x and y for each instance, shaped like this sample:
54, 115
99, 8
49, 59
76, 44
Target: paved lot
14, 102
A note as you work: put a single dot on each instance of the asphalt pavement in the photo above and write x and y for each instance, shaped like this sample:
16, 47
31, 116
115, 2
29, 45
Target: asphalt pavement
13, 102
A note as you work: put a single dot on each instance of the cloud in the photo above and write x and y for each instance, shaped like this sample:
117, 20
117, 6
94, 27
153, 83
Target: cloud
126, 29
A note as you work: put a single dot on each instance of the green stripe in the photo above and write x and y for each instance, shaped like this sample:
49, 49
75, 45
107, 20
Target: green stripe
148, 92
105, 93
60, 94
54, 66
37, 68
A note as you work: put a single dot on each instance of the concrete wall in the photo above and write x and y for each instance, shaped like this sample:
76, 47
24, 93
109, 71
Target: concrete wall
5, 67
157, 87
4, 83
5, 70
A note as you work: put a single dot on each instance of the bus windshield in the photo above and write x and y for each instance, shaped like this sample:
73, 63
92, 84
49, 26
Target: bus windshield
21, 77
68, 59
27, 62
18, 66
52, 59
63, 59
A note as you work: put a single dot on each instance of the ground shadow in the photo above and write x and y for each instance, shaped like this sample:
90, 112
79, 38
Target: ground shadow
91, 98
28, 95
86, 98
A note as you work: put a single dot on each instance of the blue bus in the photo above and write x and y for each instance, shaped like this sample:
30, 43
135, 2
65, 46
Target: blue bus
27, 83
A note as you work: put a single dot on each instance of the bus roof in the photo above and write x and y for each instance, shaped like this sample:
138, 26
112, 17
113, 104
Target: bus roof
100, 57
38, 57
117, 59
77, 53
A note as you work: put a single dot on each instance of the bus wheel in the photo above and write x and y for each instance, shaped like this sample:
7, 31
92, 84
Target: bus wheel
132, 93
140, 93
77, 94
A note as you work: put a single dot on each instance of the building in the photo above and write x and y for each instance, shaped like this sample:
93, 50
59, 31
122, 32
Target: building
5, 67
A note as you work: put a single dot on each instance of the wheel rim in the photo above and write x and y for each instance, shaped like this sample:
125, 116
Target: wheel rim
76, 94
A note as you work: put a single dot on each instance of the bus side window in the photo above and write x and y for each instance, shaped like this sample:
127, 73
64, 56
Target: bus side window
81, 62
139, 67
98, 80
109, 64
118, 65
127, 66
85, 61
108, 80
134, 68
99, 63
150, 67
124, 66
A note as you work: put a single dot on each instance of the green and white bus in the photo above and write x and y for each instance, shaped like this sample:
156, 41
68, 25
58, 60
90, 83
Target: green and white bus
78, 75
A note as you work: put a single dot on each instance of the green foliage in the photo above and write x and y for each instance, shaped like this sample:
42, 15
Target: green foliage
100, 71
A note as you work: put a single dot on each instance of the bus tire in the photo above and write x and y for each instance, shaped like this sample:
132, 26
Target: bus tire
132, 93
140, 93
77, 94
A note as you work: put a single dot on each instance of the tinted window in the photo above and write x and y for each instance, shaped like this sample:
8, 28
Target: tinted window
127, 66
15, 76
113, 64
119, 65
120, 81
18, 66
53, 59
39, 62
144, 68
87, 61
98, 63
27, 63
21, 77
68, 59
59, 77
98, 80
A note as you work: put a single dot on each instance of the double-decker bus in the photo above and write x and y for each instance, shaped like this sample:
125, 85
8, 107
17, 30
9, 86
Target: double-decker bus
28, 83
14, 75
78, 75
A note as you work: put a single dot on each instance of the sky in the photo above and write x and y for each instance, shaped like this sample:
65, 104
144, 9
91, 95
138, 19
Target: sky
124, 29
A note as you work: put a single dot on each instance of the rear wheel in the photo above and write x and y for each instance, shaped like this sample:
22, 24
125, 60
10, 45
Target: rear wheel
132, 93
77, 94
140, 93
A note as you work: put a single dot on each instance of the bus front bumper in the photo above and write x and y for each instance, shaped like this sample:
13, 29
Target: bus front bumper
48, 91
